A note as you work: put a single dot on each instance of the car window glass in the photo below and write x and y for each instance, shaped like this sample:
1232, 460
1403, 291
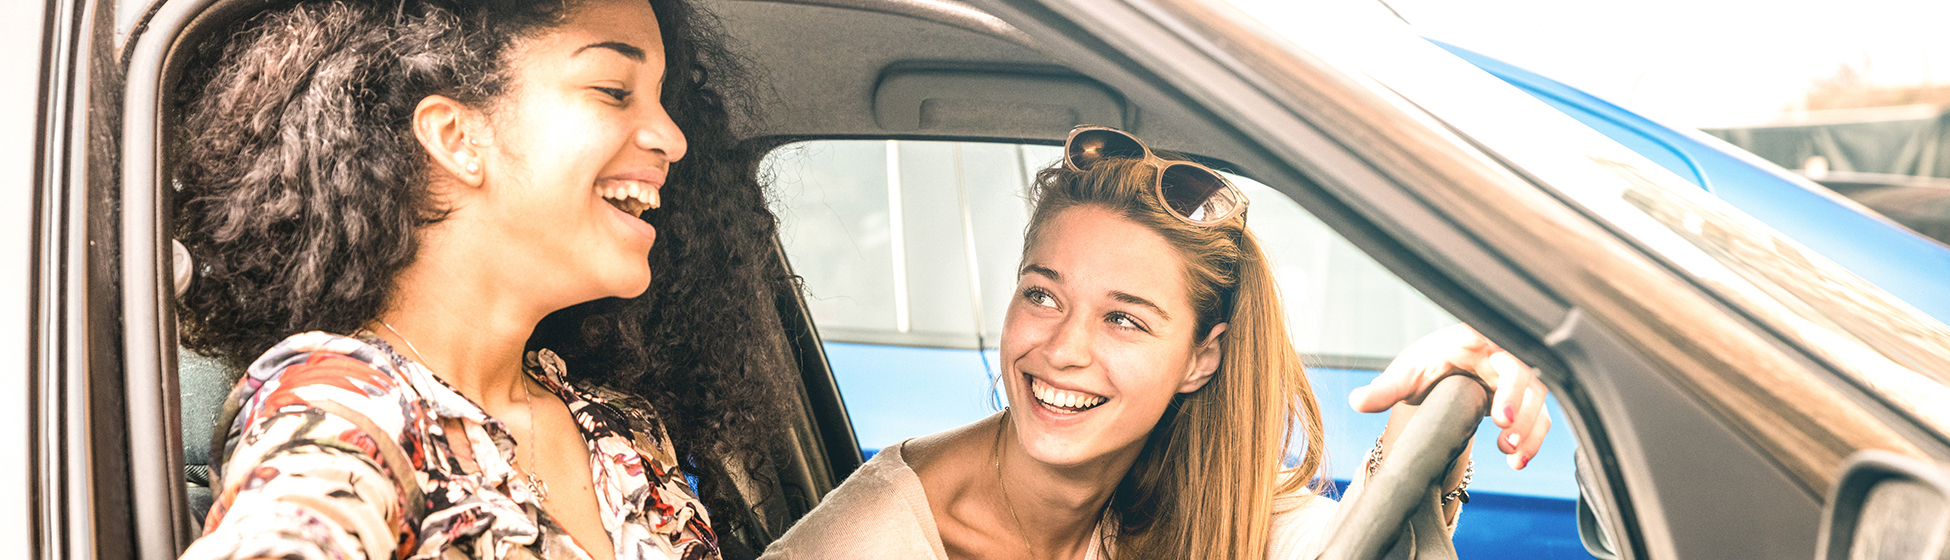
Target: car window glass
908, 251
875, 275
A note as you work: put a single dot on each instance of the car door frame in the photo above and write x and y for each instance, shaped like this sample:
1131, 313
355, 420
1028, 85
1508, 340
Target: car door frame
79, 445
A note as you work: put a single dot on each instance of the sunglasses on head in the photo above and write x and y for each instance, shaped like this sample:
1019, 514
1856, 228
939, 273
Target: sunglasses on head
1191, 192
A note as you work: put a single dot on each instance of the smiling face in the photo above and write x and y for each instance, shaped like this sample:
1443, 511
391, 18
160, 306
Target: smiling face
576, 151
1099, 338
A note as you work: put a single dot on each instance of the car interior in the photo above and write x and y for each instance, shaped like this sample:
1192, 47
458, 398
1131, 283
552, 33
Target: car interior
834, 69
895, 70
925, 70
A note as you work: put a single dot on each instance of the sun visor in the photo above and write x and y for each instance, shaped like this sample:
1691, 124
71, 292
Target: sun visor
987, 101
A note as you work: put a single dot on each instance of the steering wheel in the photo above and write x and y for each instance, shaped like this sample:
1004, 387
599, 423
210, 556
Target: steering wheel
1379, 520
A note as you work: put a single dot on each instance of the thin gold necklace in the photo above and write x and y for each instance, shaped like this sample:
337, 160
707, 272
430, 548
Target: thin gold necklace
528, 472
996, 454
534, 481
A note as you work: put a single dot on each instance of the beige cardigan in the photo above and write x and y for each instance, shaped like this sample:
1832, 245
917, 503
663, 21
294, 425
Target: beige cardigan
881, 512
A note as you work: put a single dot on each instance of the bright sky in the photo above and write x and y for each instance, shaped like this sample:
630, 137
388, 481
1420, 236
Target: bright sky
1699, 62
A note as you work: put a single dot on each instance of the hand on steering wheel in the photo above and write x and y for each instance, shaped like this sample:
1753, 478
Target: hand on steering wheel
1517, 407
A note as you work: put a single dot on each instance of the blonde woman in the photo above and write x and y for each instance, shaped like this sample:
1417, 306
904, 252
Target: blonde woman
1154, 390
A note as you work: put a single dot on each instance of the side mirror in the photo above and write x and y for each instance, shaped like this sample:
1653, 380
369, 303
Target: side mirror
1887, 506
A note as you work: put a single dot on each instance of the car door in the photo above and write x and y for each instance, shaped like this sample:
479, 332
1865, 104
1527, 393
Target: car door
73, 463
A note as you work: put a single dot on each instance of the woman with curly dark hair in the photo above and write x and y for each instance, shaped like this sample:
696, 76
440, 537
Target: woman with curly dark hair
426, 230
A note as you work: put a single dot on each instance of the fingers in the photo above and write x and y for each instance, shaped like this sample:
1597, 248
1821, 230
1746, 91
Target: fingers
1394, 384
1514, 436
1410, 374
1518, 408
1532, 442
1512, 380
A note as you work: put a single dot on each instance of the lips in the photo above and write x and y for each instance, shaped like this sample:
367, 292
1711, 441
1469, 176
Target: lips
1064, 400
631, 194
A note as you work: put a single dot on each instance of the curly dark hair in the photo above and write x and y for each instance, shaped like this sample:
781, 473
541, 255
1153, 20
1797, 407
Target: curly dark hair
300, 189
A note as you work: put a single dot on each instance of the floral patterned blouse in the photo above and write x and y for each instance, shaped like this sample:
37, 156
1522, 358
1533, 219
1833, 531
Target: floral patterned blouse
306, 476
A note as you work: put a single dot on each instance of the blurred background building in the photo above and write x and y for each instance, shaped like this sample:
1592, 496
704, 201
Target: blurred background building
1855, 96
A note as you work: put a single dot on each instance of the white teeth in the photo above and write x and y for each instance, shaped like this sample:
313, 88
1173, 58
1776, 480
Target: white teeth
631, 196
1064, 399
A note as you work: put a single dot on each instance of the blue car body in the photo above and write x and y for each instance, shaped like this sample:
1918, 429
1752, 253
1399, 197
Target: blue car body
895, 392
1899, 261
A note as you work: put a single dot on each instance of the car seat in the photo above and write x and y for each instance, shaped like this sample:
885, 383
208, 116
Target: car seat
203, 383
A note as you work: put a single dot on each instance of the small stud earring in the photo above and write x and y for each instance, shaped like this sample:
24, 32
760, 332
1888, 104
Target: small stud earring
473, 167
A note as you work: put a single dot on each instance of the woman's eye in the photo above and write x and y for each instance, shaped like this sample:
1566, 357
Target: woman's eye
1038, 297
619, 94
1123, 321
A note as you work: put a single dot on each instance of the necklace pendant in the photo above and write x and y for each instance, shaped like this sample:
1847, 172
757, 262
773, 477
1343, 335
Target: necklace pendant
536, 485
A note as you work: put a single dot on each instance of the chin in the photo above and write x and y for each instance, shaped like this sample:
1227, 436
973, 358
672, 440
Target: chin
635, 289
626, 284
1060, 449
1056, 454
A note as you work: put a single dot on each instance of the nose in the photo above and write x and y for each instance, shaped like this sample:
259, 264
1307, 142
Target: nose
656, 132
1069, 346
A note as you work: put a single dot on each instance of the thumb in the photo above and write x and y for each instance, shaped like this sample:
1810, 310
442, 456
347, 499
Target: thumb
1392, 386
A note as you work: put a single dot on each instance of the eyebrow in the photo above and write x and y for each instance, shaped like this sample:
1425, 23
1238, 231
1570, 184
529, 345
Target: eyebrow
1041, 270
1133, 299
624, 49
1120, 296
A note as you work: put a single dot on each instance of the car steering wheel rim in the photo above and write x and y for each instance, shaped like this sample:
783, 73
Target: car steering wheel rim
1420, 457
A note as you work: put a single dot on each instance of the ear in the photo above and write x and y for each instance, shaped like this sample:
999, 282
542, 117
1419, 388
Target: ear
1205, 360
453, 135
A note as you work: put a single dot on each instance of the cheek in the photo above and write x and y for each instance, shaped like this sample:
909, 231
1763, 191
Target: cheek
1147, 377
1020, 331
562, 140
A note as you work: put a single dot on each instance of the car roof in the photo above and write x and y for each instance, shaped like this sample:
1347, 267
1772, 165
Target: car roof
1886, 254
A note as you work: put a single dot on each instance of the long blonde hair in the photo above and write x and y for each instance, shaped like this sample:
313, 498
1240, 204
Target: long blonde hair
1203, 486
